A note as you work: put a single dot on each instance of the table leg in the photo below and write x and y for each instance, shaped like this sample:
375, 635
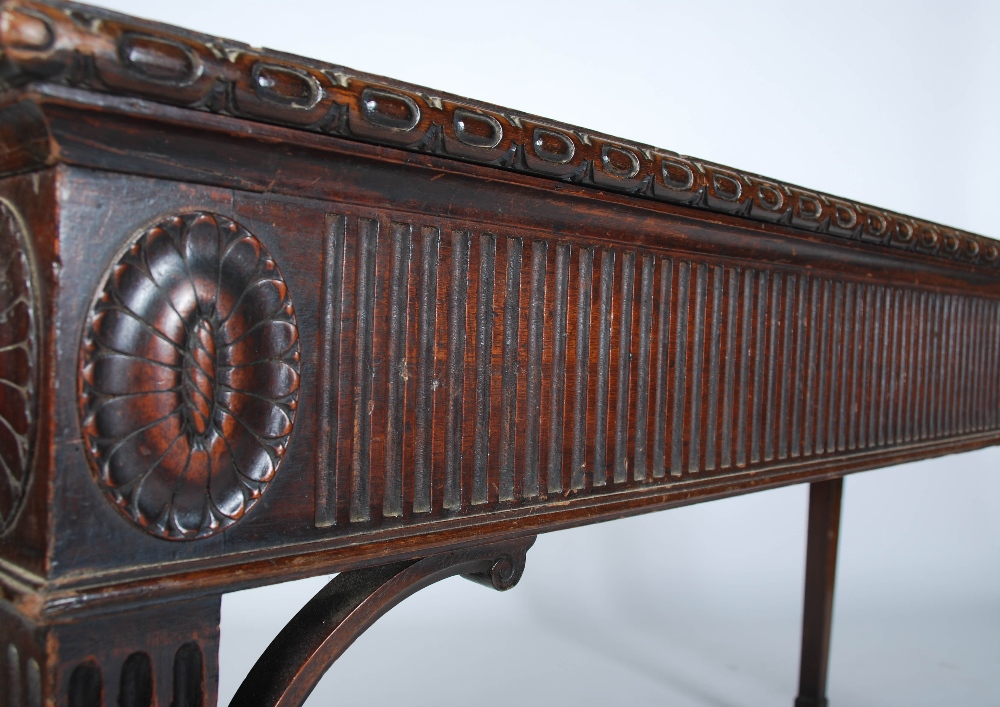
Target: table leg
821, 565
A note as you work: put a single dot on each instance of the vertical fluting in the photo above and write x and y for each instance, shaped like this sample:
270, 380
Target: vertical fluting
430, 240
639, 466
363, 369
845, 378
624, 368
662, 365
509, 375
745, 354
729, 381
557, 398
680, 368
822, 368
581, 385
533, 392
603, 373
758, 394
396, 375
772, 361
834, 373
460, 370
484, 367
457, 334
801, 385
855, 352
789, 318
328, 404
714, 354
695, 463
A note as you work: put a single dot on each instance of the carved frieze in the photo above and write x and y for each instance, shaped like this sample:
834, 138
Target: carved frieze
189, 376
468, 371
106, 52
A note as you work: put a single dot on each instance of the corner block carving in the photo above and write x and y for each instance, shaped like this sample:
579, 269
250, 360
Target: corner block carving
189, 376
18, 367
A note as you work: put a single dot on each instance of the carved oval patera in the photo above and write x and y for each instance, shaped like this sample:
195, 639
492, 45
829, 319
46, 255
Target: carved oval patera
189, 376
18, 367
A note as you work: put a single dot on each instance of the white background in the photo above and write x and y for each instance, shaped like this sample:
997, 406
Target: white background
894, 104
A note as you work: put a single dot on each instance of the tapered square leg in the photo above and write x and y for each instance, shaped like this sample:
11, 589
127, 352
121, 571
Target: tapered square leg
165, 655
821, 566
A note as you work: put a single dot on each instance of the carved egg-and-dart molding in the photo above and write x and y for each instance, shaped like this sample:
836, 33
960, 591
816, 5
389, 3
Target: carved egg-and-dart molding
189, 376
18, 367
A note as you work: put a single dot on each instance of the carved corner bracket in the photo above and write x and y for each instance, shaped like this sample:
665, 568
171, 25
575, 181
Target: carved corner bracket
352, 602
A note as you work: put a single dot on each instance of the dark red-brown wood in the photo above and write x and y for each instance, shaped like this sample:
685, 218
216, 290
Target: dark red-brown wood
263, 318
289, 669
137, 656
821, 570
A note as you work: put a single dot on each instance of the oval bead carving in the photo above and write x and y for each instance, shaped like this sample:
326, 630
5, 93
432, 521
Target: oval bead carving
477, 129
619, 161
18, 367
876, 226
769, 197
726, 186
289, 87
677, 175
844, 216
553, 146
189, 376
25, 30
809, 207
72, 47
158, 59
388, 109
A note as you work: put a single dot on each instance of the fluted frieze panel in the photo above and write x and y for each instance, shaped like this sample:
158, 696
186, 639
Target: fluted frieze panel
466, 370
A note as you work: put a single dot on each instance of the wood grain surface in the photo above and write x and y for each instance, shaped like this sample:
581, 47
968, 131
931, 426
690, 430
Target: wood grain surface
263, 318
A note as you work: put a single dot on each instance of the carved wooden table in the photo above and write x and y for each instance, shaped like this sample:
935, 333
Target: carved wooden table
263, 318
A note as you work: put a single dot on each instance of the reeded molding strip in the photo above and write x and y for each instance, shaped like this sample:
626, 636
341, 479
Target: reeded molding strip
84, 46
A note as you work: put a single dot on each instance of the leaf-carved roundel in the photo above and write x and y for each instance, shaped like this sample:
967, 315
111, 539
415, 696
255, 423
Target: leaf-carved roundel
18, 368
189, 376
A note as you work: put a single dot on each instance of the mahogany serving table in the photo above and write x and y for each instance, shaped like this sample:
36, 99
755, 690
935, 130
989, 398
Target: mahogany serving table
263, 318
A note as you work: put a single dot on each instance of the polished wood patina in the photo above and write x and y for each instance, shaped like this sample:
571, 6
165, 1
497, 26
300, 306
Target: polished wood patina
263, 318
